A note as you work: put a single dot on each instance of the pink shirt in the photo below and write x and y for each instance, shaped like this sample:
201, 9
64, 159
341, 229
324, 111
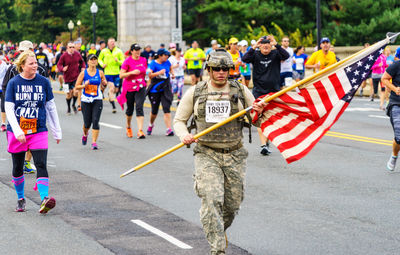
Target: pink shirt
380, 65
134, 82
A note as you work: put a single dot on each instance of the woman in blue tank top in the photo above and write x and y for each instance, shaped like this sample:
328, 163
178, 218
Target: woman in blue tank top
92, 82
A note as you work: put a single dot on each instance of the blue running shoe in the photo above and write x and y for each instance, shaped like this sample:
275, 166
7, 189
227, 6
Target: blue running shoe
28, 168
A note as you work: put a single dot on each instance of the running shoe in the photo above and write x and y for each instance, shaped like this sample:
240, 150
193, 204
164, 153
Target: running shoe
20, 205
150, 129
74, 108
129, 132
3, 127
47, 205
69, 112
94, 146
140, 134
265, 150
169, 132
84, 140
114, 110
28, 168
391, 164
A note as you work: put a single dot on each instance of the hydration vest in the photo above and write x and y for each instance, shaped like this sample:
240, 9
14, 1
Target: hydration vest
231, 131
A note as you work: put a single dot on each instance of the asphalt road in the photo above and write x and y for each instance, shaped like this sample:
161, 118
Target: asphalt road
339, 199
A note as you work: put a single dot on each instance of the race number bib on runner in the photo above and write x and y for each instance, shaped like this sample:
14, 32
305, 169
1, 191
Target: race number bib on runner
217, 111
91, 90
29, 126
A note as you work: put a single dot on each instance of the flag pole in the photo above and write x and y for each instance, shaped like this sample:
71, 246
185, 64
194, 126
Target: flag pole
266, 99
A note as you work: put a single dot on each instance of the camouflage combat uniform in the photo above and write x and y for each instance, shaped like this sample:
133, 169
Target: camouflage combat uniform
220, 158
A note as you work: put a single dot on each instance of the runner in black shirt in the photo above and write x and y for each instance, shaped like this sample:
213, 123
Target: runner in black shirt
266, 72
42, 59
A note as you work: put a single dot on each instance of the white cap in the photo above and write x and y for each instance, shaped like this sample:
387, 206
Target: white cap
253, 42
243, 43
25, 45
214, 42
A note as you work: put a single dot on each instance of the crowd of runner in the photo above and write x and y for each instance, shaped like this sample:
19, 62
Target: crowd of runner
105, 72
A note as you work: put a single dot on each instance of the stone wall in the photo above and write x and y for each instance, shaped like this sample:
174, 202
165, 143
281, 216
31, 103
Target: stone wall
146, 22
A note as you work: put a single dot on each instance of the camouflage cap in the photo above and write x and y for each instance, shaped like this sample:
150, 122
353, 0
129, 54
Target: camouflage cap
219, 58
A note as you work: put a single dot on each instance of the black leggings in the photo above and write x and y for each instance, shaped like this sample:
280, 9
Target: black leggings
40, 158
2, 103
138, 97
91, 113
155, 99
375, 83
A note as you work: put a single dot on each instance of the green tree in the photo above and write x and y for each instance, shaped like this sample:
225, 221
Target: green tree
7, 19
356, 22
42, 20
106, 25
225, 18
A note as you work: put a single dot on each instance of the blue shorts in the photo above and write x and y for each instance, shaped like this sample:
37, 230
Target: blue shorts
114, 79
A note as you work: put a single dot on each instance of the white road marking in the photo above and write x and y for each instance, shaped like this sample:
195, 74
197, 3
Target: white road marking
109, 125
378, 116
366, 109
158, 232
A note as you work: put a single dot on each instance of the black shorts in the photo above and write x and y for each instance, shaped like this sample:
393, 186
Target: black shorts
196, 72
156, 99
71, 85
247, 77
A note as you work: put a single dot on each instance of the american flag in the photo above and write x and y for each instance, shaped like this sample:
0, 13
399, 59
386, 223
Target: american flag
296, 121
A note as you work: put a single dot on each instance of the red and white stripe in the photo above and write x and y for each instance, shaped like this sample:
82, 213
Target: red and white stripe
294, 132
322, 95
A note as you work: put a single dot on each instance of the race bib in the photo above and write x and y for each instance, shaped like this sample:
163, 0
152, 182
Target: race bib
299, 64
217, 111
29, 126
91, 90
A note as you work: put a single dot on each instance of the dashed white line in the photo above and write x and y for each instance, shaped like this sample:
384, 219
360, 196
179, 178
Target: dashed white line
378, 116
110, 125
158, 232
362, 109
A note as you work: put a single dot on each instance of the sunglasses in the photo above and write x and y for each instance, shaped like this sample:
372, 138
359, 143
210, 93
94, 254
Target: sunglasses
71, 47
217, 69
93, 59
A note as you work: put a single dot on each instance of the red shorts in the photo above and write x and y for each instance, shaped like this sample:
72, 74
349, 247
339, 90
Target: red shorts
38, 141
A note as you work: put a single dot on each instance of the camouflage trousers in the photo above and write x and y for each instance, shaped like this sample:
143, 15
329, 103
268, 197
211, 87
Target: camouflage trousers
219, 182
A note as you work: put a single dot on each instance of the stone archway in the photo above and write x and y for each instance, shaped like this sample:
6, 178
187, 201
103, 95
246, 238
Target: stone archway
148, 22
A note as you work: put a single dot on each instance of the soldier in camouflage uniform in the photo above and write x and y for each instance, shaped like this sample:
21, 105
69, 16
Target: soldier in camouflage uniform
220, 158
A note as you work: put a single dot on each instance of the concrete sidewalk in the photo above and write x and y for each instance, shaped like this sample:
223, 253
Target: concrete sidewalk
33, 233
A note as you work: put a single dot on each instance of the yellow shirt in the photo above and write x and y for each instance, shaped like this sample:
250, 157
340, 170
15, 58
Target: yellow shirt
235, 58
324, 59
196, 54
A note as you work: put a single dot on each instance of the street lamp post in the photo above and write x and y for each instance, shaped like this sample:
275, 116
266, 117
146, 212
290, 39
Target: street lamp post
70, 27
79, 23
318, 16
93, 10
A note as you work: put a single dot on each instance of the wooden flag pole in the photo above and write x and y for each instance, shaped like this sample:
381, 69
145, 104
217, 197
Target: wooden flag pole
242, 112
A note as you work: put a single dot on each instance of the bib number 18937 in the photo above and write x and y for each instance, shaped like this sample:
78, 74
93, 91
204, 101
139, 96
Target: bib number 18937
217, 111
